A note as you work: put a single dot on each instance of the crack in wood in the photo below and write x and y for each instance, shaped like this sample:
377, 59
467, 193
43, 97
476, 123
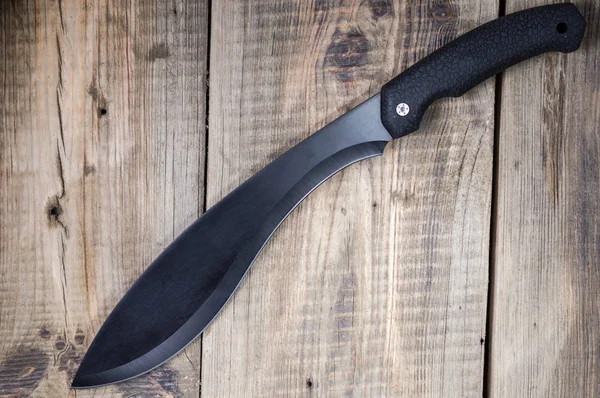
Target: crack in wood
59, 86
60, 170
60, 13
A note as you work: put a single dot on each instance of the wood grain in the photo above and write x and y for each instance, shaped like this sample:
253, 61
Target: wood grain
546, 306
376, 285
101, 166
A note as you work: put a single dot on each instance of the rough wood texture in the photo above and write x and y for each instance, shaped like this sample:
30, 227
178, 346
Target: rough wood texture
101, 166
377, 284
546, 306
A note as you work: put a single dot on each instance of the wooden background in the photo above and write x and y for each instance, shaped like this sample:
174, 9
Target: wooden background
465, 261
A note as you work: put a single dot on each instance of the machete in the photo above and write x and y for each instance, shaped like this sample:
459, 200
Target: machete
183, 290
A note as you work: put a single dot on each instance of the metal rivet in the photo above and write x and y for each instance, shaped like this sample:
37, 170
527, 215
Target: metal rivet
403, 109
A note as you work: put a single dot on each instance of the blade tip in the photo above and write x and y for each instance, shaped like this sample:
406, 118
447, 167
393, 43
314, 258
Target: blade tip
79, 382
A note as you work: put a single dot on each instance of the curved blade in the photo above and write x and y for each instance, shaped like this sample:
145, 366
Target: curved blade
187, 285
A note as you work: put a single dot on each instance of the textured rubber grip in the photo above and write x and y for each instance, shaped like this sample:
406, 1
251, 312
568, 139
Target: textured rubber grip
476, 56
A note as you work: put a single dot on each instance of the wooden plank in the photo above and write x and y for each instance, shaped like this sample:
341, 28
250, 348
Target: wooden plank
101, 166
376, 285
546, 311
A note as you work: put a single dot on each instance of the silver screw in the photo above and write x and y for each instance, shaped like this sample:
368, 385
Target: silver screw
403, 109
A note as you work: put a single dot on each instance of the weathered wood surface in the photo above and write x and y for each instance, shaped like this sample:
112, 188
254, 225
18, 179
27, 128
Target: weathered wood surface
376, 285
101, 166
546, 304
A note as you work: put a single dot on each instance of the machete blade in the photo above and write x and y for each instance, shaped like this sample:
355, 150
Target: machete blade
189, 283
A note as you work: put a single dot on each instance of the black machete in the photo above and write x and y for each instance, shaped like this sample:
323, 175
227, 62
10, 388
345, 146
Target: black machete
183, 290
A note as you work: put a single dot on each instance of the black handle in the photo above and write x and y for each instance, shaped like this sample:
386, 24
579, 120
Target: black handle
476, 56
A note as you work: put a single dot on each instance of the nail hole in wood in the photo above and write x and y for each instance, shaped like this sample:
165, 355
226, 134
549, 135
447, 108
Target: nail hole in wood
53, 211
